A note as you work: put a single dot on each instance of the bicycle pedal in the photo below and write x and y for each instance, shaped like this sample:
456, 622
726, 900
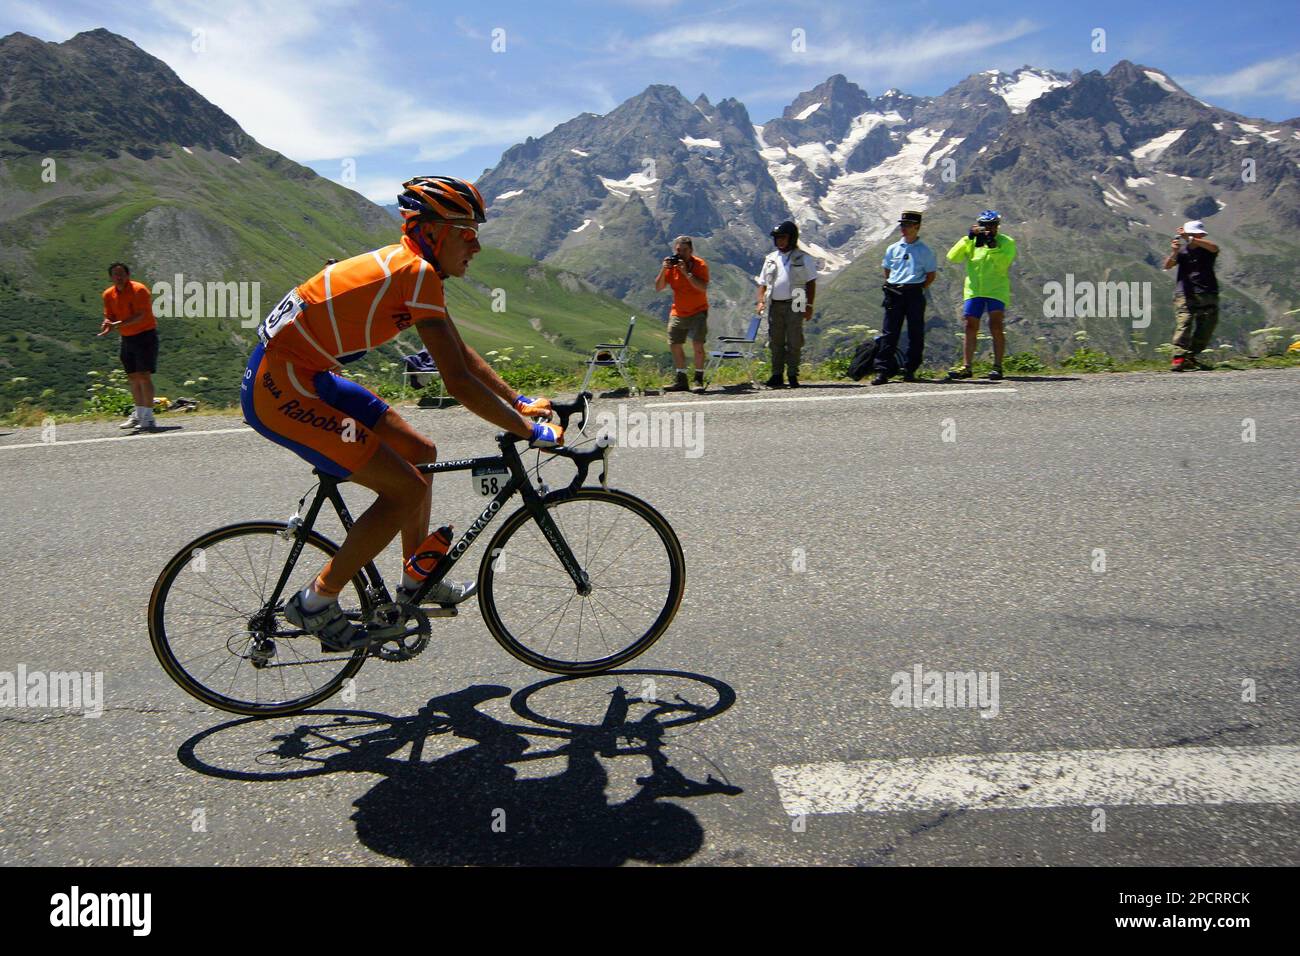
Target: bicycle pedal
361, 642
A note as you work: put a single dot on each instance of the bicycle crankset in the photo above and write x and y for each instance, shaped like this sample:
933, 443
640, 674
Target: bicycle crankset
399, 632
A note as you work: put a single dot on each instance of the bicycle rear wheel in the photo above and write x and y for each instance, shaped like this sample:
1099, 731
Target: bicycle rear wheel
215, 635
636, 569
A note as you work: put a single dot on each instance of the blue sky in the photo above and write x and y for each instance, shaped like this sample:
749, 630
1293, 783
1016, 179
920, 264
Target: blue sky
406, 88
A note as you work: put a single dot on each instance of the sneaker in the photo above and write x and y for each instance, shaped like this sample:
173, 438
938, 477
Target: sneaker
775, 382
132, 421
995, 374
792, 381
882, 378
1179, 364
679, 384
445, 595
330, 624
961, 372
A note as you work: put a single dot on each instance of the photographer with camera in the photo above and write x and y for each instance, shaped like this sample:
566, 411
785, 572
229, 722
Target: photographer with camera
688, 275
1196, 293
988, 257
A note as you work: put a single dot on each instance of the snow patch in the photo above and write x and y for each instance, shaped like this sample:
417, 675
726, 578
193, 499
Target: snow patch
1139, 181
1240, 142
578, 152
1022, 88
708, 143
1152, 149
585, 224
235, 158
639, 181
808, 111
828, 261
1219, 126
188, 150
1248, 128
510, 195
1160, 80
873, 197
1271, 135
1116, 200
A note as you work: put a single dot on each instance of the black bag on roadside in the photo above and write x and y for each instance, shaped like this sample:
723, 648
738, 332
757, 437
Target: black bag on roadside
864, 359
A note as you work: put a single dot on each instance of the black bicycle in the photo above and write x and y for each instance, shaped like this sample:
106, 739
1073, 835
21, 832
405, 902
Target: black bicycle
576, 581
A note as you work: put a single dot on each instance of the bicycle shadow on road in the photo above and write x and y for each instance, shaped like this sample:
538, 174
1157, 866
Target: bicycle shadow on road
475, 805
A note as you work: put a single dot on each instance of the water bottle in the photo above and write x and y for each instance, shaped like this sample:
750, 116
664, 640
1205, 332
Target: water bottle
421, 564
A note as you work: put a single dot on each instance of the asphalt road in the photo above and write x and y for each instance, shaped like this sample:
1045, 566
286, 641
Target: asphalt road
833, 540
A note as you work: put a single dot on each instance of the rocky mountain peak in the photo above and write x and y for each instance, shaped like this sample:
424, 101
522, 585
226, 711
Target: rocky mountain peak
100, 92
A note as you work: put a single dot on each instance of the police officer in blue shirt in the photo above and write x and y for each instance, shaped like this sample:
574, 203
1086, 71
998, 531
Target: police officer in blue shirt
910, 265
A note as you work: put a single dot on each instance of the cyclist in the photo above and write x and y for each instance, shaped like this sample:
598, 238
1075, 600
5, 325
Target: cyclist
292, 393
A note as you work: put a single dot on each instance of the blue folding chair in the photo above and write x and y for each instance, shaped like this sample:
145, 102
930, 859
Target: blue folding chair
614, 355
732, 348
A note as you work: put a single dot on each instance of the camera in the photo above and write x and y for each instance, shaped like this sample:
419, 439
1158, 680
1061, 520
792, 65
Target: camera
674, 260
983, 237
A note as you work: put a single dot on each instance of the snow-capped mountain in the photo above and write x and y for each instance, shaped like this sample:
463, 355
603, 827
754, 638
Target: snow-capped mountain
1129, 152
846, 164
1092, 180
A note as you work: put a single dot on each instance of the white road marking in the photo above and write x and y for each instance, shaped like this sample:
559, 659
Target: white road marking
1166, 776
836, 398
132, 437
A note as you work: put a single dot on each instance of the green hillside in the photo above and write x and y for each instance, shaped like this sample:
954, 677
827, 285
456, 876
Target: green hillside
205, 217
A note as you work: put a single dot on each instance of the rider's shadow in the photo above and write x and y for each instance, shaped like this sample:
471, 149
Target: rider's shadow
474, 805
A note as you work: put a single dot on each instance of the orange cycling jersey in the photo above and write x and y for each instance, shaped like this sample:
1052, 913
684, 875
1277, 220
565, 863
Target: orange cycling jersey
353, 306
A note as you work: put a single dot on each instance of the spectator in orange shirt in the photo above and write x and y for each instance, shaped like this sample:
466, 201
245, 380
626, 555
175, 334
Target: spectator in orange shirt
688, 275
128, 309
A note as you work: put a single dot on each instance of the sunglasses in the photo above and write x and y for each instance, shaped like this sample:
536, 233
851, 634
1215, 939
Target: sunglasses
467, 233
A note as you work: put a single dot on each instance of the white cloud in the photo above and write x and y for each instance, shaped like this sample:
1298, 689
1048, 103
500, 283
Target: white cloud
303, 77
690, 40
1276, 77
902, 56
906, 55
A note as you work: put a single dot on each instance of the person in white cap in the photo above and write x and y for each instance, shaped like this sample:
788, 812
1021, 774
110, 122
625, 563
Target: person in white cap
1196, 293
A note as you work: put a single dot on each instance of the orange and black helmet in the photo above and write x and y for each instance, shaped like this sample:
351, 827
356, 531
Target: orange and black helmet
440, 197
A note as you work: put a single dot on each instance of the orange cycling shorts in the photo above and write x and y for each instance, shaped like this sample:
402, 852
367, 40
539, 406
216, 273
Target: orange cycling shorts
321, 417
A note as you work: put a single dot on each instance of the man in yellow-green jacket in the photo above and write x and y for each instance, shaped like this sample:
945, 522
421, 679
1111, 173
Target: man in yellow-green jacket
988, 257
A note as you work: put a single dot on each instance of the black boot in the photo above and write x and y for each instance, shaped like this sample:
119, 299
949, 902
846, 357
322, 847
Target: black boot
679, 384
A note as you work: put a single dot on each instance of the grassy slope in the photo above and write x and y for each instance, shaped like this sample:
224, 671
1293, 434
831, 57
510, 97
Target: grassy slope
262, 227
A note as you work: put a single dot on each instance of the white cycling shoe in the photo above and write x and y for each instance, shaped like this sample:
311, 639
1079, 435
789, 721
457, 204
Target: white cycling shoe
444, 596
330, 625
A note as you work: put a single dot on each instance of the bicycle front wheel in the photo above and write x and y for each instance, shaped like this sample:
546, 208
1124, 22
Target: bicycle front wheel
215, 634
632, 558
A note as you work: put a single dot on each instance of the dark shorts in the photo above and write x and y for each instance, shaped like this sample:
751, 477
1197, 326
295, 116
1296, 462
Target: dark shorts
139, 352
975, 307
